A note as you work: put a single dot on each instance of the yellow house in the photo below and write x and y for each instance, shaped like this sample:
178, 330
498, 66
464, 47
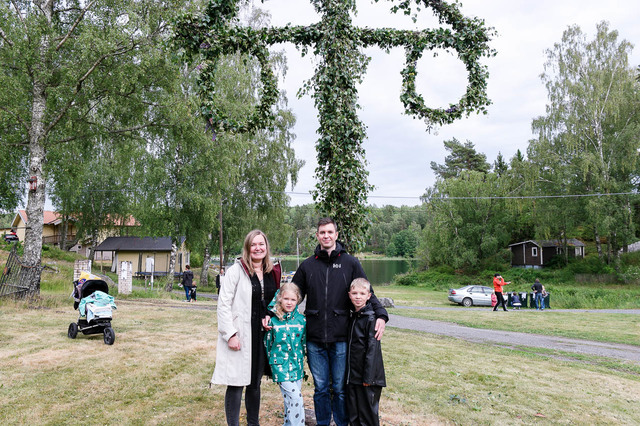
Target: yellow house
51, 229
147, 255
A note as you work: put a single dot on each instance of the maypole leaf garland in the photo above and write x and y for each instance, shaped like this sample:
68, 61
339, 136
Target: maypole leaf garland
209, 36
342, 187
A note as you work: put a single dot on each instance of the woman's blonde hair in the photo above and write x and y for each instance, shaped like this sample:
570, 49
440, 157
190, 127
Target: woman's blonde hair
267, 263
286, 287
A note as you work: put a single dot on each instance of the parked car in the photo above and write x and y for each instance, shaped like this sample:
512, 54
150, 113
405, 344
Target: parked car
471, 295
11, 238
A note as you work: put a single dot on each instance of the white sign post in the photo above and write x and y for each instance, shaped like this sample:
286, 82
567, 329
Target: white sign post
150, 269
125, 278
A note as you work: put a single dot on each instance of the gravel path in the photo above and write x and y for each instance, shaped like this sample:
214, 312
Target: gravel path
511, 338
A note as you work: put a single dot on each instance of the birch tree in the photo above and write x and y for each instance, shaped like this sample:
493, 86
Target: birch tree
593, 124
71, 71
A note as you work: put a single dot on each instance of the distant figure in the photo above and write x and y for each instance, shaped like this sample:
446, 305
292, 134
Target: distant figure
194, 292
498, 282
365, 372
538, 290
220, 274
187, 282
515, 301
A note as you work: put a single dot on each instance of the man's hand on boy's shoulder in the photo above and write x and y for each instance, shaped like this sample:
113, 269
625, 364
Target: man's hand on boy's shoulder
380, 326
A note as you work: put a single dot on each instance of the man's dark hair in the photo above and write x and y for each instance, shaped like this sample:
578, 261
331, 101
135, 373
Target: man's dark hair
187, 266
326, 221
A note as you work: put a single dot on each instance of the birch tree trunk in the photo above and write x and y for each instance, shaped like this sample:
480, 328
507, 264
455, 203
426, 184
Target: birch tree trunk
204, 276
36, 199
65, 230
172, 267
596, 237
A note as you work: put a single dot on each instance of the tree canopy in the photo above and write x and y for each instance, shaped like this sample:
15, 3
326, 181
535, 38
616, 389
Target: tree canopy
462, 157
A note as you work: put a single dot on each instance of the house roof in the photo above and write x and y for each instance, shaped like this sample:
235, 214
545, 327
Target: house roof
54, 218
136, 244
571, 242
122, 221
50, 217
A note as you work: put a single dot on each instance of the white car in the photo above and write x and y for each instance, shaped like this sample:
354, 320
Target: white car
471, 295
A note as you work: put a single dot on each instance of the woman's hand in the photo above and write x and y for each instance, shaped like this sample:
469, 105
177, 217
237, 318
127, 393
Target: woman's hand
234, 343
265, 323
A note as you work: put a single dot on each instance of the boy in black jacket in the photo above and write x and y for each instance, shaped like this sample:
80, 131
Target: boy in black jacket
365, 375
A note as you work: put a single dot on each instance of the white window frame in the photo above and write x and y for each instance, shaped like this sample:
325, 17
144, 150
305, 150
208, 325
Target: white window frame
534, 251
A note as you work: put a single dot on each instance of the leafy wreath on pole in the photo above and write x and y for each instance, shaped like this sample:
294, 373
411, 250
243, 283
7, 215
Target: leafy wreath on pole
216, 32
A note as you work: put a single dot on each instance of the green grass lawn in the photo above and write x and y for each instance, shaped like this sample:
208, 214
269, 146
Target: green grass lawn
158, 370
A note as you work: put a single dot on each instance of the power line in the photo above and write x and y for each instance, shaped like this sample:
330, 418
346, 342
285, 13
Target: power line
522, 197
439, 198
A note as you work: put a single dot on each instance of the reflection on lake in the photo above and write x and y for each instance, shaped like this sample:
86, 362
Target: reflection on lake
378, 271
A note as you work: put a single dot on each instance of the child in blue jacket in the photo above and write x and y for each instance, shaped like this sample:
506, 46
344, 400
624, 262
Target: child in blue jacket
285, 343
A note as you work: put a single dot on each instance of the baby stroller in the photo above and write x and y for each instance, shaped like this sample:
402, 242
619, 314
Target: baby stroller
92, 300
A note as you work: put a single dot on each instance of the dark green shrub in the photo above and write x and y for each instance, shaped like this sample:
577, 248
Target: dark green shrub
590, 265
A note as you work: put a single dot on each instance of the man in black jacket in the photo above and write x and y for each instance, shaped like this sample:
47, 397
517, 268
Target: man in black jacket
325, 278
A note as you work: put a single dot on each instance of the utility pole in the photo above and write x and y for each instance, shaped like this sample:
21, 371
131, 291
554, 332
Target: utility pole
220, 238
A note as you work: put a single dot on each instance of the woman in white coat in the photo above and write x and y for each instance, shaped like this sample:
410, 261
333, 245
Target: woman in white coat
246, 289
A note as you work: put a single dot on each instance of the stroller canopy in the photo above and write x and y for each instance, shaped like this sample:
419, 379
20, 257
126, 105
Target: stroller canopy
89, 283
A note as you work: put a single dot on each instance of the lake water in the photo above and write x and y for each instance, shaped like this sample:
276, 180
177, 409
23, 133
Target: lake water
378, 271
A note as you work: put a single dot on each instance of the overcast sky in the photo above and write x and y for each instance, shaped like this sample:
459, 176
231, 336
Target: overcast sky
398, 148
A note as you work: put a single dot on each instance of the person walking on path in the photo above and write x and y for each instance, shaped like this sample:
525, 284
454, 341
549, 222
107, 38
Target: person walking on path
498, 283
219, 278
187, 282
241, 358
325, 278
285, 343
365, 374
538, 293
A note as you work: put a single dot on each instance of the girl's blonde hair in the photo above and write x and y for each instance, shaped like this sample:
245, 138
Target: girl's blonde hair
267, 263
291, 287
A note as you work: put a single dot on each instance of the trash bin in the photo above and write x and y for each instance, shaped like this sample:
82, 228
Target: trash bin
532, 300
546, 300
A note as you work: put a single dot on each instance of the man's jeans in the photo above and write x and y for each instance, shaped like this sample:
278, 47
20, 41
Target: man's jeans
328, 364
539, 301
